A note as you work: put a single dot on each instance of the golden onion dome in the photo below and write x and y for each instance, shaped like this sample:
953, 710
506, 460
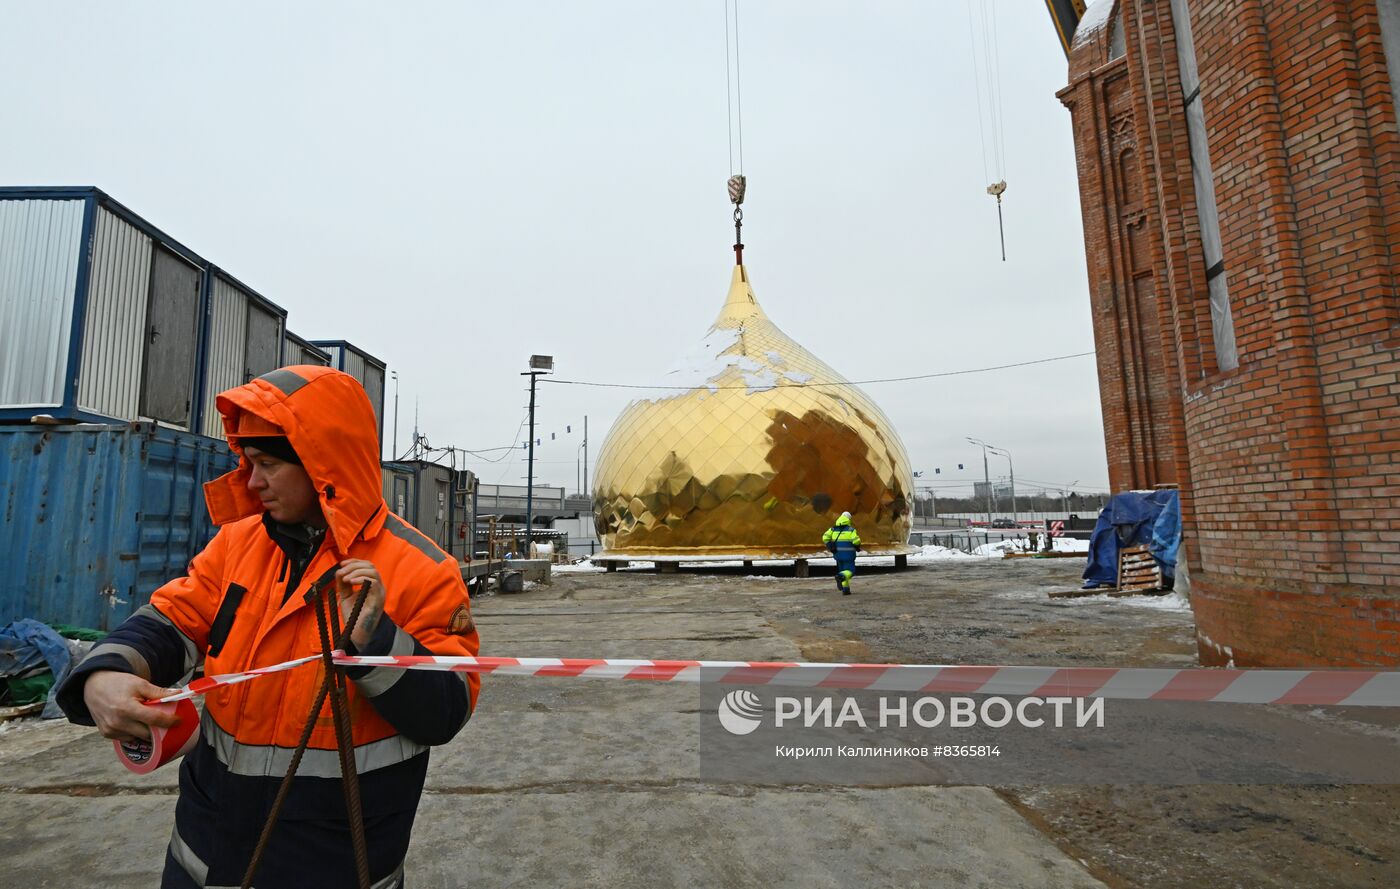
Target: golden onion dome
751, 448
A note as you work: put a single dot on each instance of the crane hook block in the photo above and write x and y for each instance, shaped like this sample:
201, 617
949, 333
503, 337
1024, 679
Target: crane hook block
737, 184
996, 189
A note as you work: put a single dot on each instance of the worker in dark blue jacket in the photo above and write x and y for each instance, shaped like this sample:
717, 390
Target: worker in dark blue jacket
843, 541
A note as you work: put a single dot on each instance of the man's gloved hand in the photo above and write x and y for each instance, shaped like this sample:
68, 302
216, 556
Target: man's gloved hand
116, 701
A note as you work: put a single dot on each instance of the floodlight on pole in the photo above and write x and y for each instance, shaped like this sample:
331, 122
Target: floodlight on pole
539, 364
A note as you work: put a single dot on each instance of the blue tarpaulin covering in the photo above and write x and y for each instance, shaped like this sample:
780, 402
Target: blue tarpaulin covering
26, 644
1129, 519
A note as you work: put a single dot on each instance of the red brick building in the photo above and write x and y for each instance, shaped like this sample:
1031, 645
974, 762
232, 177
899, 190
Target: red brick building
1239, 169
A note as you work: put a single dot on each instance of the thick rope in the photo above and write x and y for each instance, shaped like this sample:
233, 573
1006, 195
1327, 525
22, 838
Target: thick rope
316, 706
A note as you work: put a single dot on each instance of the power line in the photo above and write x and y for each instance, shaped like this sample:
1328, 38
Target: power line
792, 385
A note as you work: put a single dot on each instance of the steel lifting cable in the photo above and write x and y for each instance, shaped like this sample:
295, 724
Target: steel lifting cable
987, 64
728, 87
738, 88
344, 741
734, 100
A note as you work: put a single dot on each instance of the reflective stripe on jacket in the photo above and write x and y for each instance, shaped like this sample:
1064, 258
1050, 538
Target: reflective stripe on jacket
841, 540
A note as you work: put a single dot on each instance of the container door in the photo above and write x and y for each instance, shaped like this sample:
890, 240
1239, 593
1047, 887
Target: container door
441, 527
264, 343
374, 386
400, 495
171, 339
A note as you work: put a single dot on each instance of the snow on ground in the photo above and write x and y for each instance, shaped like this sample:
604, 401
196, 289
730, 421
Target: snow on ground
22, 723
1020, 545
1173, 601
584, 567
933, 553
928, 554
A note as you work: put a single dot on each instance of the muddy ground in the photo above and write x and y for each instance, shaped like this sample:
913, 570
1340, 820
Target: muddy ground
572, 782
997, 612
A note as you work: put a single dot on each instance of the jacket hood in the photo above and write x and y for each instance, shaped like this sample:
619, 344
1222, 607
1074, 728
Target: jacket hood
327, 417
844, 519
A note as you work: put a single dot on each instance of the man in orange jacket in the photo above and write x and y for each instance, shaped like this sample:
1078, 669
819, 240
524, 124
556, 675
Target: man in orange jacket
305, 504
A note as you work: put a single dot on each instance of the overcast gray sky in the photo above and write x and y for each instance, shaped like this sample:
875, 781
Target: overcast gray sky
454, 186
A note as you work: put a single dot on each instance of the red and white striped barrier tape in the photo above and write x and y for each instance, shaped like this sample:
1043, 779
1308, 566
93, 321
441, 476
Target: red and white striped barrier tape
209, 683
1352, 688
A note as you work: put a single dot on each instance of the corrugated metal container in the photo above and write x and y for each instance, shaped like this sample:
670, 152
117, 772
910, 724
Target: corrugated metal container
98, 516
105, 317
296, 350
435, 499
115, 322
244, 338
464, 483
111, 310
398, 489
40, 245
434, 513
364, 367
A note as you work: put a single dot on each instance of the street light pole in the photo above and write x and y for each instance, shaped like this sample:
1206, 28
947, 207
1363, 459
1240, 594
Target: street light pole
1064, 494
394, 453
1007, 454
530, 469
539, 364
986, 477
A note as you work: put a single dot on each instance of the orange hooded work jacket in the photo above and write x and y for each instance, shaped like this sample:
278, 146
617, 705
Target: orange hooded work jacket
242, 605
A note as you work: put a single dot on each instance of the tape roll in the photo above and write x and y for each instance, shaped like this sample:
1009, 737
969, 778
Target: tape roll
144, 757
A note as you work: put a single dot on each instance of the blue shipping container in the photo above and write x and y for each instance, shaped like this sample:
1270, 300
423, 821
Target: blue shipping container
97, 517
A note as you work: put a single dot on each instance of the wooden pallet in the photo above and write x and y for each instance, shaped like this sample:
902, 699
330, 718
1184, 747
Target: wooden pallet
1138, 571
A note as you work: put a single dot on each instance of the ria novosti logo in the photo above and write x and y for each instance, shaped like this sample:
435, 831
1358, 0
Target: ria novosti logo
740, 712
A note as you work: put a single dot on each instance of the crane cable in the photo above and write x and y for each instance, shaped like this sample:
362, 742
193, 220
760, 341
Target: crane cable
734, 102
986, 66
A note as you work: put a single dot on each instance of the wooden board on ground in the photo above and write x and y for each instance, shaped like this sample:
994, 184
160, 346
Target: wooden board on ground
22, 710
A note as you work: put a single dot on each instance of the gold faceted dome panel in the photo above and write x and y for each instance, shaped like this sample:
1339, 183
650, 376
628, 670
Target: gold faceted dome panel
752, 449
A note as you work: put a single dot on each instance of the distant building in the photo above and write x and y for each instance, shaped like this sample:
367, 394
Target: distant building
1239, 170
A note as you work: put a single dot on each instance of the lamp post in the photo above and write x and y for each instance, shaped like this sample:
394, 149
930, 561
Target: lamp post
1064, 495
394, 452
917, 475
986, 476
539, 364
581, 470
1007, 454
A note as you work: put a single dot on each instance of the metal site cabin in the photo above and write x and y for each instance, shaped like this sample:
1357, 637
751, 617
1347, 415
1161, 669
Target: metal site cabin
117, 338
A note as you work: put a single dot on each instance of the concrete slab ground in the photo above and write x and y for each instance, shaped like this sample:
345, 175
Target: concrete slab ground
567, 782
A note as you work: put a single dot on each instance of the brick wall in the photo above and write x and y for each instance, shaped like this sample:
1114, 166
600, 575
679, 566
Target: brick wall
1289, 465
